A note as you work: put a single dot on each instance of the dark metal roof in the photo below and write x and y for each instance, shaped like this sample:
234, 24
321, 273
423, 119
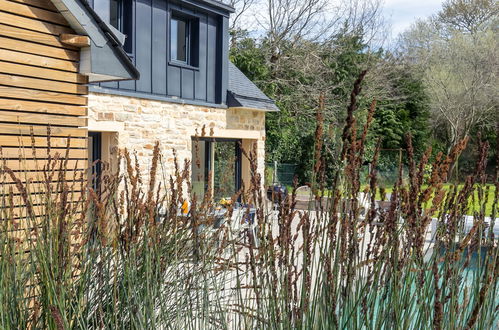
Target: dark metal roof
243, 93
216, 6
219, 4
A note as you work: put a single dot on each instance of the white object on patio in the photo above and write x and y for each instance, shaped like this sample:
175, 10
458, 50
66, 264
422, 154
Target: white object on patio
304, 194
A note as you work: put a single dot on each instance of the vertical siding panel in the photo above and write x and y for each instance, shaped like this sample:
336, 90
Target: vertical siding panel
223, 71
211, 65
167, 55
187, 84
174, 81
132, 84
129, 85
159, 40
111, 84
144, 45
200, 76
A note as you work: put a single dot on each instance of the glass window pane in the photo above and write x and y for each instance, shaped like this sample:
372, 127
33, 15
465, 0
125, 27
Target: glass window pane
224, 175
114, 18
121, 17
173, 39
215, 165
178, 40
181, 41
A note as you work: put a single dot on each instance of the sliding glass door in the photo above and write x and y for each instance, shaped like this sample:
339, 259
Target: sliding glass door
216, 165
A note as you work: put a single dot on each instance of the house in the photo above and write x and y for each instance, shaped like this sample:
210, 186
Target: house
116, 74
187, 86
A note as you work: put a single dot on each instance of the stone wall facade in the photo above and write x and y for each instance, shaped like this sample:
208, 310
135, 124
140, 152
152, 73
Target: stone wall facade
136, 124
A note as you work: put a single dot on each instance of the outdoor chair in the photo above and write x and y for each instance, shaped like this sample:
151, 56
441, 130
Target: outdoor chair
243, 221
304, 193
304, 196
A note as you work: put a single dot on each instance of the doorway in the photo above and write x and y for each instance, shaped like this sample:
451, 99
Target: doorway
94, 158
216, 165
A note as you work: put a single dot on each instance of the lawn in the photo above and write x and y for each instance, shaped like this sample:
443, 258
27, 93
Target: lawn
474, 204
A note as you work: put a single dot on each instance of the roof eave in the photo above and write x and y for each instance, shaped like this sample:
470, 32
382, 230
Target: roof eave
235, 101
253, 109
220, 5
105, 59
212, 5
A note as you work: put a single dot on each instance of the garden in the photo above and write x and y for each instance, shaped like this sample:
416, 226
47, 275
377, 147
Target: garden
125, 255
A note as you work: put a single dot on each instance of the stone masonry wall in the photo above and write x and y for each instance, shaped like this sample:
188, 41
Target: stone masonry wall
139, 123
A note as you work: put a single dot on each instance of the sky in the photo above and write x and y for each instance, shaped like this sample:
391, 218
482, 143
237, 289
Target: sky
402, 13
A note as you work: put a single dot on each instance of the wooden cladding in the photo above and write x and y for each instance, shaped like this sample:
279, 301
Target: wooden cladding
41, 107
39, 3
48, 51
43, 73
29, 35
37, 60
43, 98
32, 24
27, 10
41, 95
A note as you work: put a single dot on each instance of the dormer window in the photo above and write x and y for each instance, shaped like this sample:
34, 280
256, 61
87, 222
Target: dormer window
183, 40
121, 17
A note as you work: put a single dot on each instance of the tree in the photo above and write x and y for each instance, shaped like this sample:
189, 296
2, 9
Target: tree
405, 110
306, 51
457, 51
469, 16
241, 7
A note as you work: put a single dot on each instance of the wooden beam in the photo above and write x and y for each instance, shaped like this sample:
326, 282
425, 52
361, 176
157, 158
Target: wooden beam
40, 153
20, 129
36, 188
25, 142
45, 176
37, 60
43, 73
32, 36
37, 95
41, 198
42, 84
33, 12
41, 118
39, 164
74, 40
33, 24
41, 107
37, 49
39, 3
39, 211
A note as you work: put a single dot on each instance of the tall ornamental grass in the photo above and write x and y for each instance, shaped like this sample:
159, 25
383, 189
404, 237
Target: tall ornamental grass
121, 255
